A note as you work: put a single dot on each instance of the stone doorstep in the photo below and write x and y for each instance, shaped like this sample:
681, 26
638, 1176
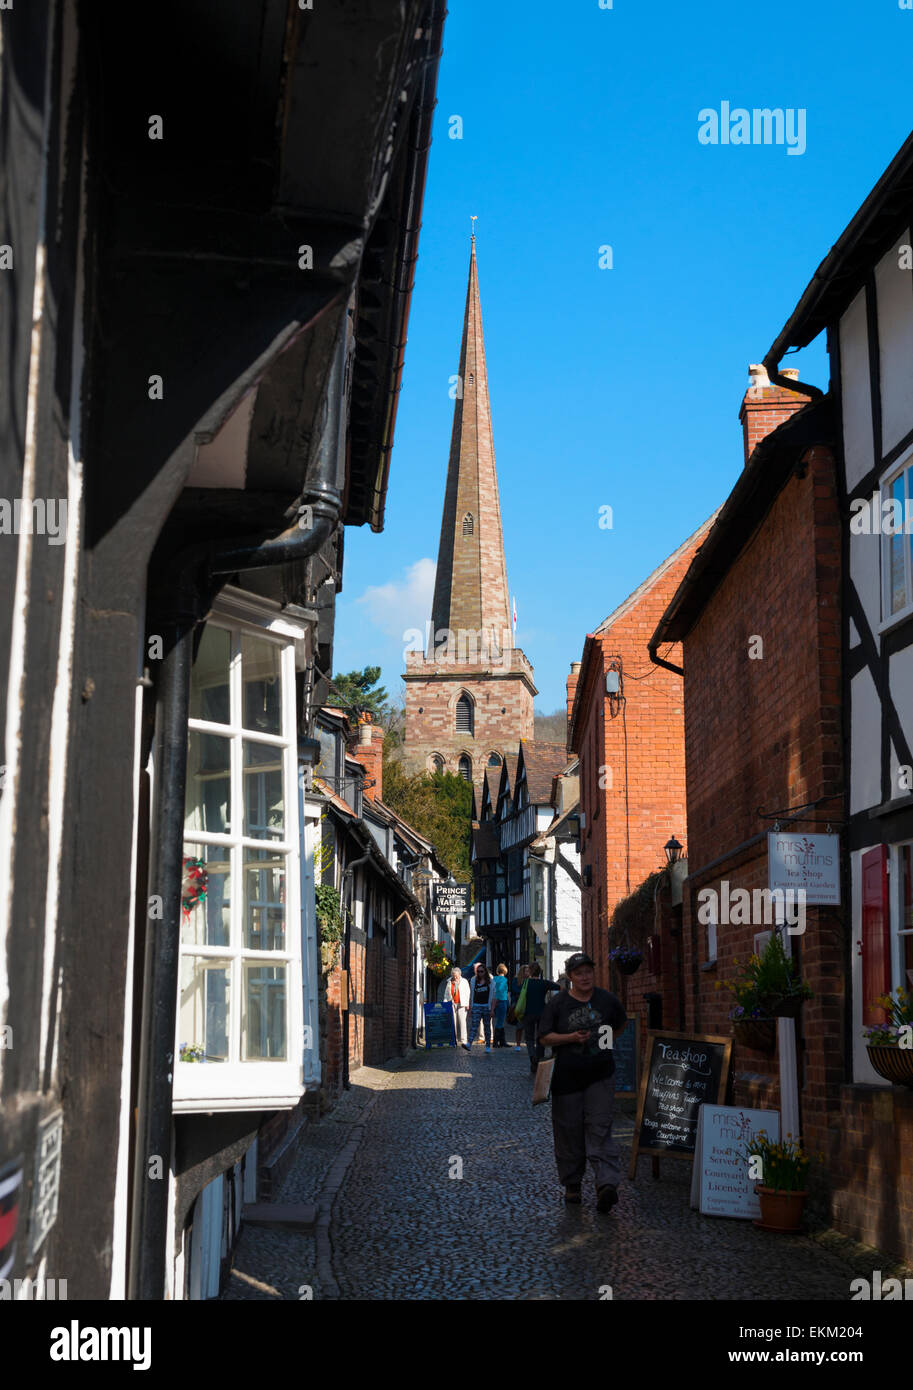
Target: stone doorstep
300, 1216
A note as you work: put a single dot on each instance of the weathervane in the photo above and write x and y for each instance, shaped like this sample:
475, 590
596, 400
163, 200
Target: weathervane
473, 220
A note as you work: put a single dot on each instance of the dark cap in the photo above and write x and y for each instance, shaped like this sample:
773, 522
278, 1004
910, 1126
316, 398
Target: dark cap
579, 958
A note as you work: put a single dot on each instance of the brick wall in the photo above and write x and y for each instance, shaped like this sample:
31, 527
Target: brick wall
632, 756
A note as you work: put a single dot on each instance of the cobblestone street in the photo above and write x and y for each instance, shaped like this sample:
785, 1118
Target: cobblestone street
391, 1223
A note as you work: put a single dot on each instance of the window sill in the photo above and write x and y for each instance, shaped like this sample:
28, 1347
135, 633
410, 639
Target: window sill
244, 1086
236, 1103
895, 620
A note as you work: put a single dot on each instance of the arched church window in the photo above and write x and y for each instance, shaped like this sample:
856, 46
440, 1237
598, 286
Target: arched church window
466, 768
464, 712
494, 760
437, 763
468, 524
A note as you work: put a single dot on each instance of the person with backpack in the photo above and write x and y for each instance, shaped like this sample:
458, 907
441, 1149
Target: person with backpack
536, 990
481, 1000
516, 990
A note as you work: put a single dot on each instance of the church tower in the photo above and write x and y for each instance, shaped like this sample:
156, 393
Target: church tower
469, 695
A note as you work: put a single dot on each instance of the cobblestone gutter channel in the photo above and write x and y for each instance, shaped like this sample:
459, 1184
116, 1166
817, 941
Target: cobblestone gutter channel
433, 1178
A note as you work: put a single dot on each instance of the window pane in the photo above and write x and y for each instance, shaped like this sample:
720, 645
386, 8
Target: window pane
264, 901
204, 1009
264, 803
206, 897
264, 1021
262, 685
209, 678
208, 784
898, 579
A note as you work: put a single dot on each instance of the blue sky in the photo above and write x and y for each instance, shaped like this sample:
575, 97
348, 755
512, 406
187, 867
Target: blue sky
614, 387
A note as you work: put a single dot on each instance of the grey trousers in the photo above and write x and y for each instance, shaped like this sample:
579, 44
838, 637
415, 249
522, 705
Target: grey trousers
582, 1126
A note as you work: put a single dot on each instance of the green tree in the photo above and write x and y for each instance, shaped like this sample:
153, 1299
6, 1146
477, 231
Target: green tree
359, 690
438, 806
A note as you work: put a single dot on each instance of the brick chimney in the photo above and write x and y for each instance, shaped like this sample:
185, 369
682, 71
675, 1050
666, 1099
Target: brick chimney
765, 407
369, 751
571, 692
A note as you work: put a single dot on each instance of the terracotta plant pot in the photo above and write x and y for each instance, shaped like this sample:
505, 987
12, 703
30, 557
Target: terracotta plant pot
893, 1063
760, 1034
780, 1211
628, 967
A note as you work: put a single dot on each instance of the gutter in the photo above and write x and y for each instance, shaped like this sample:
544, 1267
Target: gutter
196, 568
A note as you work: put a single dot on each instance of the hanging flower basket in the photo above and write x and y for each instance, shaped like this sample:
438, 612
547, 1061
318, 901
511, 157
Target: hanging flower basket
893, 1063
759, 1034
627, 962
780, 1211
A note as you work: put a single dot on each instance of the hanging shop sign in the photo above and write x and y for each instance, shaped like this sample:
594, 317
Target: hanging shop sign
809, 862
452, 898
720, 1184
681, 1072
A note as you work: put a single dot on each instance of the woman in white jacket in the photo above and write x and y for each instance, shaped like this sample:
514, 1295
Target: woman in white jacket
456, 992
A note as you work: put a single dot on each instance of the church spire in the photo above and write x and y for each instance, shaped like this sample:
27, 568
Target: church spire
470, 588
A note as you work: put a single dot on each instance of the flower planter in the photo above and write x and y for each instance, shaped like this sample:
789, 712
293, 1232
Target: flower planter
791, 1007
893, 1063
628, 967
760, 1034
780, 1211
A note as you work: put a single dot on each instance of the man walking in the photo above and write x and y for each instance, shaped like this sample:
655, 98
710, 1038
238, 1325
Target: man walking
457, 994
580, 1024
536, 990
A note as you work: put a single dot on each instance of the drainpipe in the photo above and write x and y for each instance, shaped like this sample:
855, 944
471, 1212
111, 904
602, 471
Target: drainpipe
658, 661
195, 568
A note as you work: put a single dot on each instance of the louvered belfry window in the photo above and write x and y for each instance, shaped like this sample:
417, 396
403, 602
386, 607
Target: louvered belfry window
468, 524
464, 715
466, 768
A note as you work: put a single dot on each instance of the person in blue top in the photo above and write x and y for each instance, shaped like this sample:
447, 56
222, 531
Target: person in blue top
501, 990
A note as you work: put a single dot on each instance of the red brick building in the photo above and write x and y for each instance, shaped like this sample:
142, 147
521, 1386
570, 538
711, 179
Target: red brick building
626, 726
469, 694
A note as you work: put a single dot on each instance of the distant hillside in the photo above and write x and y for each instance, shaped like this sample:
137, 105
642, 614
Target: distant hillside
550, 728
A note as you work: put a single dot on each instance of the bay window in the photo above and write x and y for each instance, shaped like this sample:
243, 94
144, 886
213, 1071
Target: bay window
240, 986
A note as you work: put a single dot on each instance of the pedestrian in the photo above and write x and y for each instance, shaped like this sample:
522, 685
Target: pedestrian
580, 1024
516, 987
536, 990
499, 1004
457, 994
481, 998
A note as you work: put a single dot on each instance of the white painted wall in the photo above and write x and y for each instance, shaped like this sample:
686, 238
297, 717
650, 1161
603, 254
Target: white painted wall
567, 907
857, 396
894, 293
865, 743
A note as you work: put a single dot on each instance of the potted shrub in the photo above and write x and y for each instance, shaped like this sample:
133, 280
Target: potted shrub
329, 920
625, 960
890, 1044
768, 989
783, 1189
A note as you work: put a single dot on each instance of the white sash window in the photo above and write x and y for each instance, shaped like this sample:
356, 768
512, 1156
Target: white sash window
239, 1016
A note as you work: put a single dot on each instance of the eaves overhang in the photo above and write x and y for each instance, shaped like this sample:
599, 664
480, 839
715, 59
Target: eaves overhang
842, 273
755, 492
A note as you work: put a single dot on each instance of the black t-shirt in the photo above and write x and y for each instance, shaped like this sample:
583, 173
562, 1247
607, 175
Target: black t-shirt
578, 1065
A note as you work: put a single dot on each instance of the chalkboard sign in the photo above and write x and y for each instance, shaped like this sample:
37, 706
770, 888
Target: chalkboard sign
626, 1051
681, 1072
439, 1026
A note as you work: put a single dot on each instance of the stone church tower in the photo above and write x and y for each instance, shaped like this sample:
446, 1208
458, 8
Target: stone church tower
469, 695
